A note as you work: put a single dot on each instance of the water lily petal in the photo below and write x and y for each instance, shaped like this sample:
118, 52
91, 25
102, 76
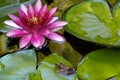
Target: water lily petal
49, 15
55, 37
37, 6
30, 11
56, 24
36, 27
16, 19
24, 41
37, 40
52, 11
44, 32
22, 15
12, 24
43, 11
24, 9
56, 29
16, 33
53, 19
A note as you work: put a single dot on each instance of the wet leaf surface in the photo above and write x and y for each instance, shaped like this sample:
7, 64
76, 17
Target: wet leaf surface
94, 21
17, 65
117, 77
100, 65
48, 69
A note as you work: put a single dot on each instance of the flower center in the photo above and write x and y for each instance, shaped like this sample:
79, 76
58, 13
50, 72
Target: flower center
34, 20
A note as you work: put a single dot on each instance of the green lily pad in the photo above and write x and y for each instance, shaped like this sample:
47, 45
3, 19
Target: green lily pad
94, 21
100, 65
115, 78
18, 66
35, 76
48, 70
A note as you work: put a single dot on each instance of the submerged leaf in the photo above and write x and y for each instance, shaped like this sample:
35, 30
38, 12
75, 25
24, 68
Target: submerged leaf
4, 45
62, 5
111, 1
66, 51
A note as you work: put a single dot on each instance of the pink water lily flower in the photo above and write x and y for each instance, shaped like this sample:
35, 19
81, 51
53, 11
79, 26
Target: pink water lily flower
34, 25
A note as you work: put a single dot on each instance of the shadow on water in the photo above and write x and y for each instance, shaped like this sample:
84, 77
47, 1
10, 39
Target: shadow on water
81, 46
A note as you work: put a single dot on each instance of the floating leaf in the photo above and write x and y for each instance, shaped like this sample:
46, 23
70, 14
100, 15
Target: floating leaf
100, 65
18, 65
117, 77
94, 21
49, 72
35, 76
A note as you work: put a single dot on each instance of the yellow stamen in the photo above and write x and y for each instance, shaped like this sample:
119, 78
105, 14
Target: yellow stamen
34, 20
